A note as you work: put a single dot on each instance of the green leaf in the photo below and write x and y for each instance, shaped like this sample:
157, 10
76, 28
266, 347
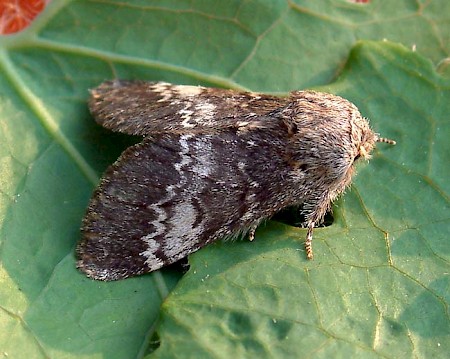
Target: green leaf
379, 284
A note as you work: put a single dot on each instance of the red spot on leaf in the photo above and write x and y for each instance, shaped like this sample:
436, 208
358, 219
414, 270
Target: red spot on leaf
15, 15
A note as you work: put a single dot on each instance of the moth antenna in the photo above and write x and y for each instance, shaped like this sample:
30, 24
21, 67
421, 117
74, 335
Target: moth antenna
386, 140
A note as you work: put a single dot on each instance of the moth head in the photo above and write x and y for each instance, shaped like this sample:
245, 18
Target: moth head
365, 139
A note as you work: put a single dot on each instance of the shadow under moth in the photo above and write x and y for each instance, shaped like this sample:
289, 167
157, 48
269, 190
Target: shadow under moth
213, 164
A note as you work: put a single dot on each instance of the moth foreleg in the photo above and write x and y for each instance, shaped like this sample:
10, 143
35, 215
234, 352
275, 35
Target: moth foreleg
308, 241
315, 213
251, 232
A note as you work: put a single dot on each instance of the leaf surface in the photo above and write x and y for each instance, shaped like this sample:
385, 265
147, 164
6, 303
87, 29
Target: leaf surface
379, 284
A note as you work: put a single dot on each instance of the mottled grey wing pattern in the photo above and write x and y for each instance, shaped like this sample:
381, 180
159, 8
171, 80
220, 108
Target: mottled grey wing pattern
169, 195
156, 204
142, 108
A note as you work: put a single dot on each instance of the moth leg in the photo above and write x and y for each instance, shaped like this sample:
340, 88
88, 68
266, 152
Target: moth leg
251, 233
308, 242
316, 212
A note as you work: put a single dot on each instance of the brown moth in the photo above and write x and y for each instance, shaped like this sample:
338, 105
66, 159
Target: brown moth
212, 164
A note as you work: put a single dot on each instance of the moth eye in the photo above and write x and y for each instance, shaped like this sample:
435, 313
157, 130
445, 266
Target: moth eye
356, 157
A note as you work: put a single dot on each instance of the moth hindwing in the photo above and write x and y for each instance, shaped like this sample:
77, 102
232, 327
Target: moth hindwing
212, 164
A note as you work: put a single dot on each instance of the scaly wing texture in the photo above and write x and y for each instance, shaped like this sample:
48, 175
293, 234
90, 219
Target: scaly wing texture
142, 108
170, 195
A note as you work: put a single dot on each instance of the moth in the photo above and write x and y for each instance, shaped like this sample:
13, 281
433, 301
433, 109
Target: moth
212, 164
